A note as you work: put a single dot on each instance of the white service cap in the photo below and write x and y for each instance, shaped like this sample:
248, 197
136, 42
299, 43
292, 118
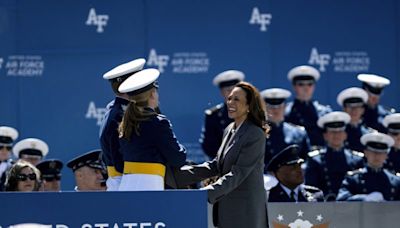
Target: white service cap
303, 73
32, 146
352, 96
140, 81
377, 142
8, 135
334, 121
392, 123
126, 68
228, 78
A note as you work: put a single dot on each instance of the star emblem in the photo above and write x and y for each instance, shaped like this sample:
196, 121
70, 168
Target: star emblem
280, 218
300, 213
319, 218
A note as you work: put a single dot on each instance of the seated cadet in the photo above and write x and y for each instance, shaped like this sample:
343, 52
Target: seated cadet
373, 182
22, 177
7, 137
216, 119
89, 171
287, 168
147, 142
109, 127
282, 133
392, 124
31, 150
374, 112
327, 166
50, 175
353, 101
305, 111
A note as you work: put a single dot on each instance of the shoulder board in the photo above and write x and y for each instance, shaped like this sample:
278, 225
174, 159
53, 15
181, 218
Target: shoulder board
398, 174
370, 129
358, 154
311, 188
353, 172
213, 109
313, 153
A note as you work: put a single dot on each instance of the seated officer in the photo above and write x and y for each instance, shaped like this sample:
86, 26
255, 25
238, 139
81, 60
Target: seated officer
109, 127
392, 124
287, 168
327, 166
353, 101
282, 133
31, 150
50, 175
373, 182
216, 119
7, 137
89, 171
305, 111
374, 112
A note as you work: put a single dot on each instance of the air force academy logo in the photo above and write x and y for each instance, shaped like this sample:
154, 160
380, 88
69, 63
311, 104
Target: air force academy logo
99, 20
160, 61
262, 19
319, 59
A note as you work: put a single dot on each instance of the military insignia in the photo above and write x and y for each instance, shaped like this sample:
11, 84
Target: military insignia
299, 221
52, 165
33, 145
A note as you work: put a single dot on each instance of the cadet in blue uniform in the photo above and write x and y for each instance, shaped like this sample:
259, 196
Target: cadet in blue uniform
282, 134
7, 137
147, 141
327, 166
287, 168
373, 182
216, 119
32, 150
50, 175
89, 171
392, 124
353, 101
374, 112
304, 110
109, 139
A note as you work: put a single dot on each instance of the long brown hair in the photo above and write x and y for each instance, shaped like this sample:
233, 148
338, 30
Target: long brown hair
15, 170
135, 113
257, 111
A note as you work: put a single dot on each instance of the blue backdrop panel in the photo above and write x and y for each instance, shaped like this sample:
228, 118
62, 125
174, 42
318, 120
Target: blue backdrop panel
106, 209
53, 56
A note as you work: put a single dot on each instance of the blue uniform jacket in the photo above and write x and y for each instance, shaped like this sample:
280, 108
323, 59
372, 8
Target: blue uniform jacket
109, 140
373, 117
306, 194
393, 161
326, 169
216, 120
306, 114
155, 144
354, 134
361, 182
283, 135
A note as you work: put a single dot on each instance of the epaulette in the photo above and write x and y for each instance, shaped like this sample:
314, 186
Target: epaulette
213, 109
358, 154
311, 188
353, 172
313, 153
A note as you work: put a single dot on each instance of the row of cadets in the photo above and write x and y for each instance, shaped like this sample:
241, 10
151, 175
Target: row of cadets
372, 182
304, 110
374, 111
216, 118
147, 141
353, 101
282, 133
109, 137
7, 137
328, 165
286, 166
89, 171
392, 125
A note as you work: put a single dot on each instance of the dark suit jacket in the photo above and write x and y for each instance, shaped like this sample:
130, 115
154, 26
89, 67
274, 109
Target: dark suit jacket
305, 194
238, 195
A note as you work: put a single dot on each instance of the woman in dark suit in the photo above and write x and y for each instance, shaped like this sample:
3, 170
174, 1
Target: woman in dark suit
238, 194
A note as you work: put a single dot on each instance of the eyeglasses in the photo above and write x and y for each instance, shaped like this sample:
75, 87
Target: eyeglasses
5, 146
49, 178
24, 177
304, 83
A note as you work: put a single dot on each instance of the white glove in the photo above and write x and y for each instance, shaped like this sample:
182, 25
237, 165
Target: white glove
374, 197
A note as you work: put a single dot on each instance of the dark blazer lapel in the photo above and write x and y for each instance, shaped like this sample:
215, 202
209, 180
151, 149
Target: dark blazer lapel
224, 141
